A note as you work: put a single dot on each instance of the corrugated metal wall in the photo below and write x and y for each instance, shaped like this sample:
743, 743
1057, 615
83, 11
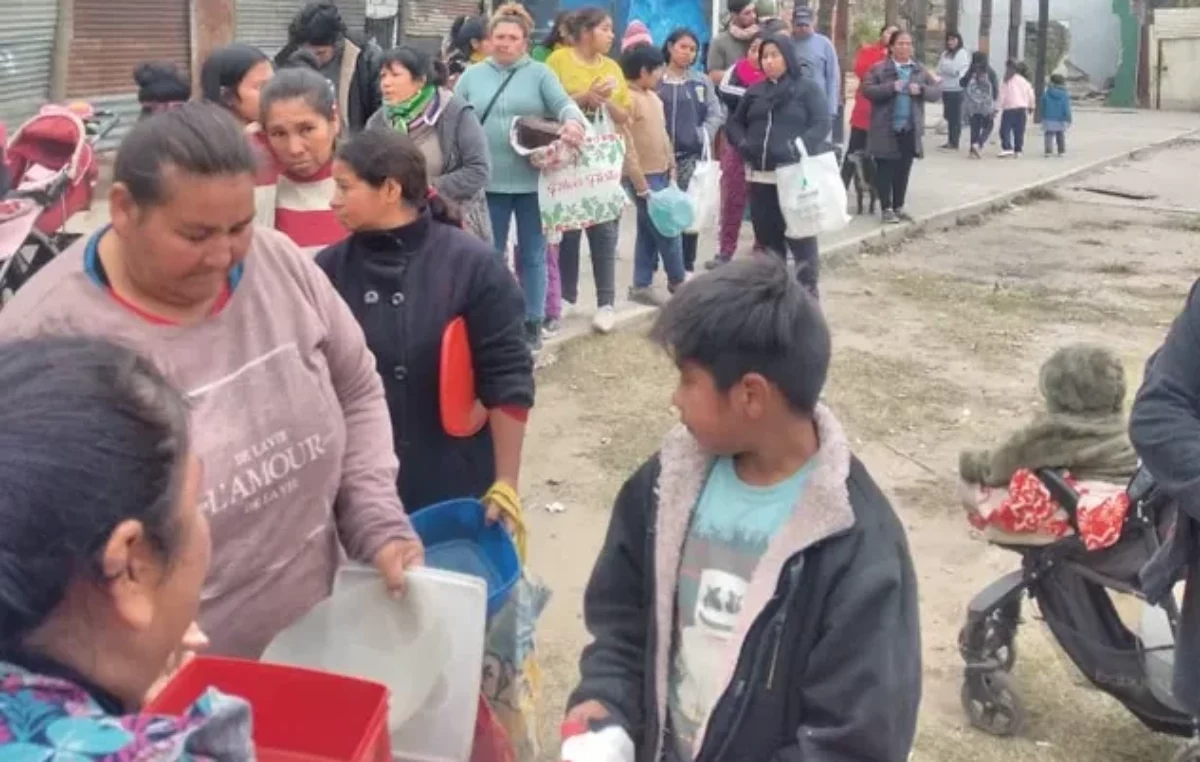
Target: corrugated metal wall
109, 38
26, 54
264, 23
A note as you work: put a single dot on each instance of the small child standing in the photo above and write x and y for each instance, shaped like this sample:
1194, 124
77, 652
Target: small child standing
1016, 103
649, 166
1056, 115
979, 104
754, 598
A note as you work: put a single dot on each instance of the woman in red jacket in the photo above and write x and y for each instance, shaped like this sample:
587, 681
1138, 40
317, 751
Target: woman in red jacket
860, 118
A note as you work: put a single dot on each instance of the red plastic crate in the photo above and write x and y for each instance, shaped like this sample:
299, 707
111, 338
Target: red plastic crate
299, 715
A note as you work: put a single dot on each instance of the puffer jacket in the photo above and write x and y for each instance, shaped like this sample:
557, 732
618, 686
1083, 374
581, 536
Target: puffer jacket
773, 114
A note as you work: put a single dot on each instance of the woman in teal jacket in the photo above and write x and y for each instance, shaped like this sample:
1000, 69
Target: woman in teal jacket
505, 86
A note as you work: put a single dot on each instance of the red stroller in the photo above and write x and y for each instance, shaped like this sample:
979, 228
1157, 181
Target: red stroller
51, 166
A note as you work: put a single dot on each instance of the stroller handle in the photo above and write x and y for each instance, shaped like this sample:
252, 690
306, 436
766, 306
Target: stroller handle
100, 124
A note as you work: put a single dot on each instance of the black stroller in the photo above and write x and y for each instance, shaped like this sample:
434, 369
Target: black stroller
1070, 586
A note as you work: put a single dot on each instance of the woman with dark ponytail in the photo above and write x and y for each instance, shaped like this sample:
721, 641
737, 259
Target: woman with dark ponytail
409, 272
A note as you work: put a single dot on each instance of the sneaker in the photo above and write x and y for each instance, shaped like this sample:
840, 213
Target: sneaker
904, 216
890, 218
533, 336
551, 327
1004, 153
1047, 155
975, 154
568, 309
947, 147
717, 261
646, 295
605, 319
1016, 154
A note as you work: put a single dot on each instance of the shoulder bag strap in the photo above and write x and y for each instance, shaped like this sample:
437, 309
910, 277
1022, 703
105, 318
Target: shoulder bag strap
487, 111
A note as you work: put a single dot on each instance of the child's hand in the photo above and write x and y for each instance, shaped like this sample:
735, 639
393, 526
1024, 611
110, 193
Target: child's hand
587, 713
914, 89
898, 86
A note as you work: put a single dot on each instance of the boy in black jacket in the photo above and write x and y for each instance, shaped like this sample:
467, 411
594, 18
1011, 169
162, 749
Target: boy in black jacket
754, 598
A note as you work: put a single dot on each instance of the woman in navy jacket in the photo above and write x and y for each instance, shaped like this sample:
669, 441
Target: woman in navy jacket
771, 116
407, 271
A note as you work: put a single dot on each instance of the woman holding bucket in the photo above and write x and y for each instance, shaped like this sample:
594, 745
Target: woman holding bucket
438, 307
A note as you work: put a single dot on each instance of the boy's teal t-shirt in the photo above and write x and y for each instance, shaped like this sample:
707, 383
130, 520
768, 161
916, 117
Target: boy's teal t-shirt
731, 528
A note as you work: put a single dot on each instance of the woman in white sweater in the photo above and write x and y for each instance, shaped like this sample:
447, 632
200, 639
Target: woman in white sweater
951, 67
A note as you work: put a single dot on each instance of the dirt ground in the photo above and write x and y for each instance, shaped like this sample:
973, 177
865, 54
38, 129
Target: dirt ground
937, 346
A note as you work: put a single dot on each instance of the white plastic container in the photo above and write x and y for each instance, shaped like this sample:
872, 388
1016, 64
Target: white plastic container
426, 647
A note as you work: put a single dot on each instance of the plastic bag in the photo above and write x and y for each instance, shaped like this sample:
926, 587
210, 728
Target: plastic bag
670, 211
587, 191
512, 680
811, 194
704, 190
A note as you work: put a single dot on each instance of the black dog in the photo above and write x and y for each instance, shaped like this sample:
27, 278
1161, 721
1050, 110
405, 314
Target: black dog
860, 167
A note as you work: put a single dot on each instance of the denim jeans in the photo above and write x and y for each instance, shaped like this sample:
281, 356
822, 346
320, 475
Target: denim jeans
981, 129
1056, 139
531, 245
651, 244
602, 240
1012, 129
952, 110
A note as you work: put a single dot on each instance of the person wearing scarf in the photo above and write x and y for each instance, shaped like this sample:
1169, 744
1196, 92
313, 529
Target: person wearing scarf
444, 127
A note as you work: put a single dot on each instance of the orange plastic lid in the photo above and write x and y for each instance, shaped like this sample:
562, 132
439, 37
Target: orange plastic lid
463, 415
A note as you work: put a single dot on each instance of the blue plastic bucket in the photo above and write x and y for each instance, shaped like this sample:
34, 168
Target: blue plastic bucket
457, 539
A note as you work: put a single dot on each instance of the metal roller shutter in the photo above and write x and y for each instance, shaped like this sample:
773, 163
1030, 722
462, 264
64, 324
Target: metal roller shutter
111, 37
27, 30
264, 23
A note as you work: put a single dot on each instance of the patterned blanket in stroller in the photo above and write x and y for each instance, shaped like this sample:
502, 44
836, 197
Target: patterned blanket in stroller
1027, 514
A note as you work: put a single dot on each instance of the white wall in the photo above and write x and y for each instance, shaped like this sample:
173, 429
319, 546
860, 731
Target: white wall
1094, 30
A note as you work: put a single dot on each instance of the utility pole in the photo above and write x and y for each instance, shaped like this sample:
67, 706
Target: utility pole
1014, 29
952, 13
920, 29
985, 26
890, 12
1039, 69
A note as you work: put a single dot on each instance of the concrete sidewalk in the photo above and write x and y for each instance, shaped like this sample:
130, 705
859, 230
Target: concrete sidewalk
945, 186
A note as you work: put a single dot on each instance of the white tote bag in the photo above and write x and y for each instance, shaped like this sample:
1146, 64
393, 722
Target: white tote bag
811, 194
704, 191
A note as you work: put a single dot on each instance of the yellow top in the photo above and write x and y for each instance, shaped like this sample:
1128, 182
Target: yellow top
577, 77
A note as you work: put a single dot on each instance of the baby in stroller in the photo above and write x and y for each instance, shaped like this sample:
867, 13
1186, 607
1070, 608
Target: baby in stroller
1083, 433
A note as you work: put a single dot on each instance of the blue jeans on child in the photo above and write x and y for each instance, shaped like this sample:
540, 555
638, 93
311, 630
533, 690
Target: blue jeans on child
1012, 129
531, 244
651, 244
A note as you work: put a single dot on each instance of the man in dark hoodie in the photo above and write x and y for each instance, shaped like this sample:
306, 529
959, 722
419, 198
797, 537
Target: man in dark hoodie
350, 61
755, 597
770, 117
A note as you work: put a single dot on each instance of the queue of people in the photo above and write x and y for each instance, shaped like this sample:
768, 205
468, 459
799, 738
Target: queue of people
257, 402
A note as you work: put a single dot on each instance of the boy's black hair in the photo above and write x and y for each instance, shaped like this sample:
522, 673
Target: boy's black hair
750, 316
1058, 80
318, 23
639, 58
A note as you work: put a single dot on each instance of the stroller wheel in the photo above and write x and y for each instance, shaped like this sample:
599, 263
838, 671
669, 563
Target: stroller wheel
1189, 753
990, 640
992, 704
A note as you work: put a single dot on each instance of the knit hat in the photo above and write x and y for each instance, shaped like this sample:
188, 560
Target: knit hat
802, 15
636, 34
766, 8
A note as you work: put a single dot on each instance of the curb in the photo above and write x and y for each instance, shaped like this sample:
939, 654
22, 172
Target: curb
947, 218
843, 251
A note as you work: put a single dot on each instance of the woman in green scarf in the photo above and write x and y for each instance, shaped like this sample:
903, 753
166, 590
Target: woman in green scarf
444, 127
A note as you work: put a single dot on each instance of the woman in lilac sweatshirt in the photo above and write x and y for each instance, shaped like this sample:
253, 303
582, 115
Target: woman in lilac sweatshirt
288, 412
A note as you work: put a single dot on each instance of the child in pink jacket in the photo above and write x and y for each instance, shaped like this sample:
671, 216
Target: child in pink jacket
1015, 104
